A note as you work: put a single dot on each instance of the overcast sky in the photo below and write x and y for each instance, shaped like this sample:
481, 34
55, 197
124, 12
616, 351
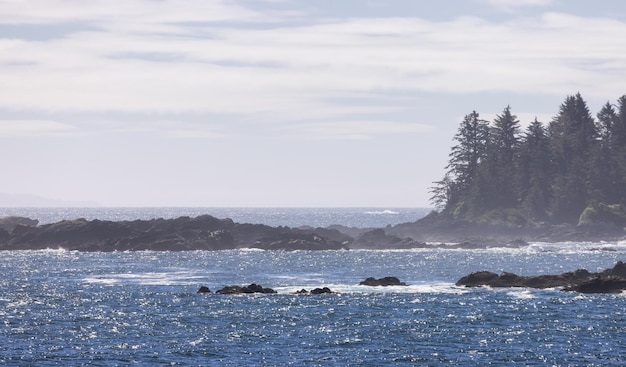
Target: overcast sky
279, 102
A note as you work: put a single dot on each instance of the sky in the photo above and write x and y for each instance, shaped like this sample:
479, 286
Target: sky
278, 103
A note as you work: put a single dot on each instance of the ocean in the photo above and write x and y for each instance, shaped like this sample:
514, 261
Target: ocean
63, 308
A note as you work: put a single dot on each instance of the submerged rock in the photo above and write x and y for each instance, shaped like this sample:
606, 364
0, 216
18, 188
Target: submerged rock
383, 282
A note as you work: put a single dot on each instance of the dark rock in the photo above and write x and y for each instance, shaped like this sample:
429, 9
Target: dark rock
321, 290
231, 289
437, 227
378, 239
297, 241
252, 288
609, 281
619, 270
324, 290
9, 223
181, 234
477, 279
599, 285
384, 282
204, 289
486, 278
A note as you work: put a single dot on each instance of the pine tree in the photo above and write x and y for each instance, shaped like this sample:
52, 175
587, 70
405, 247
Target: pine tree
572, 135
605, 171
534, 172
471, 138
504, 140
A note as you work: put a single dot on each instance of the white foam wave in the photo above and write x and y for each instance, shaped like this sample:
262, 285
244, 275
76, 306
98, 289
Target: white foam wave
382, 212
436, 288
148, 278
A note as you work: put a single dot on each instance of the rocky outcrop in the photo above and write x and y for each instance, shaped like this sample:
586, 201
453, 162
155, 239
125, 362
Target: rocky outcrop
9, 223
379, 239
599, 285
382, 282
436, 227
297, 241
181, 234
487, 278
608, 281
252, 288
324, 290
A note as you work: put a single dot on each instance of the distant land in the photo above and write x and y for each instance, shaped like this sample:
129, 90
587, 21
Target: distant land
29, 200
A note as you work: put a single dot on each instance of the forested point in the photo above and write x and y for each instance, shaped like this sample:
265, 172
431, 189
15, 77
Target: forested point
572, 170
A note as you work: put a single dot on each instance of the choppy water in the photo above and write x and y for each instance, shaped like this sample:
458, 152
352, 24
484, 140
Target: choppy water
61, 308
108, 309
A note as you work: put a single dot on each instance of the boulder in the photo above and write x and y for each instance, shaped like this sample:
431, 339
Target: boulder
477, 279
383, 282
324, 290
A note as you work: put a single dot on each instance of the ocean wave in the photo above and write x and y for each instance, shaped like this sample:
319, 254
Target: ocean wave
382, 212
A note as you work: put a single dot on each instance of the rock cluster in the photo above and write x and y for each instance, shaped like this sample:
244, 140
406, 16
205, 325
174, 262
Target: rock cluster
324, 290
608, 281
252, 288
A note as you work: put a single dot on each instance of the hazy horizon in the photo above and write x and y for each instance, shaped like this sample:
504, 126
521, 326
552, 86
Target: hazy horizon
279, 103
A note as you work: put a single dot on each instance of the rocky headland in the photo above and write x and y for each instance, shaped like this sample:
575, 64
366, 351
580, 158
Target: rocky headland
206, 232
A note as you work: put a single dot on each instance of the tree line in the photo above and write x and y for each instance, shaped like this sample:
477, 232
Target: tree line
546, 173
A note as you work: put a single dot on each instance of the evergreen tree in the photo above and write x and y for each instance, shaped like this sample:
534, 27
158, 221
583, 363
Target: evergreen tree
504, 140
605, 170
534, 171
618, 149
471, 138
572, 135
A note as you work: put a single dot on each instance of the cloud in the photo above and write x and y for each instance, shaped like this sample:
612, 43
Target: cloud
511, 4
190, 57
15, 128
356, 130
117, 12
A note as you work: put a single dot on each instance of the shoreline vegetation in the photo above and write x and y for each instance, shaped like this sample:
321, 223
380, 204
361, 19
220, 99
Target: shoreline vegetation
556, 182
571, 170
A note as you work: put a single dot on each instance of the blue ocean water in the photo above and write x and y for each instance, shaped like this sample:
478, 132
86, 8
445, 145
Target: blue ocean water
62, 308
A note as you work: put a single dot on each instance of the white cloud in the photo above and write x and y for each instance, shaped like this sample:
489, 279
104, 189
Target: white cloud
510, 4
117, 12
186, 57
355, 130
14, 128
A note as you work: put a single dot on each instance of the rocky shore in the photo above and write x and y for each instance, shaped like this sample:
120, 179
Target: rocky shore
209, 233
